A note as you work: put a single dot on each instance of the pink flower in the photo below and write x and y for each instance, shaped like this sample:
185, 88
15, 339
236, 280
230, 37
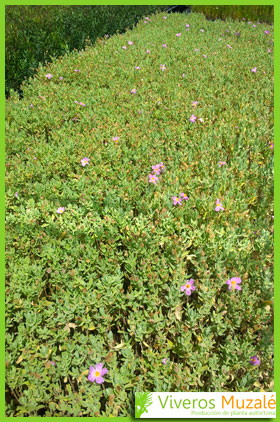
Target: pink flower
96, 374
164, 361
187, 25
184, 196
124, 47
219, 206
266, 32
148, 51
60, 78
164, 45
222, 163
204, 55
60, 210
77, 70
156, 169
254, 26
133, 91
254, 361
183, 75
162, 66
164, 17
52, 363
194, 104
178, 35
16, 195
49, 75
116, 139
31, 105
176, 200
82, 104
233, 283
161, 166
137, 67
229, 46
271, 146
254, 69
269, 50
192, 118
202, 30
130, 43
84, 161
188, 287
153, 178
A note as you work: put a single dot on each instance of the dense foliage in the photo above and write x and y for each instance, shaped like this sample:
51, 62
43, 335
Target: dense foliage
36, 34
97, 256
261, 13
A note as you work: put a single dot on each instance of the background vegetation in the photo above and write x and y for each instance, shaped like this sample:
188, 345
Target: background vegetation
262, 13
36, 34
101, 282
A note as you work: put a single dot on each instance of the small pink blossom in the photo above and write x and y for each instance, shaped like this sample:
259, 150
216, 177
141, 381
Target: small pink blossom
130, 43
164, 361
164, 45
161, 166
189, 287
16, 195
269, 50
222, 163
192, 118
76, 70
60, 78
194, 104
254, 70
156, 169
229, 46
148, 51
133, 91
233, 283
31, 105
84, 161
49, 75
184, 196
153, 178
202, 30
204, 55
60, 210
219, 206
96, 374
178, 35
183, 75
124, 47
164, 17
137, 67
116, 139
187, 25
266, 32
162, 67
82, 104
176, 200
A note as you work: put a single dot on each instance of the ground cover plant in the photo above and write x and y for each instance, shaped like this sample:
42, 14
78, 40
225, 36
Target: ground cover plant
139, 217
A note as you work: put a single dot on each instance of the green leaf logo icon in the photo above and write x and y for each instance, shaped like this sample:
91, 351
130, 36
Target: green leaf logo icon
142, 401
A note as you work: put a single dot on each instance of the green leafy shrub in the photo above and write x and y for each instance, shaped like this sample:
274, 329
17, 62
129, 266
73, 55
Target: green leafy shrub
101, 281
36, 34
